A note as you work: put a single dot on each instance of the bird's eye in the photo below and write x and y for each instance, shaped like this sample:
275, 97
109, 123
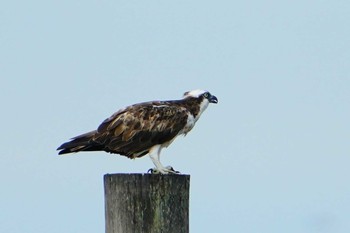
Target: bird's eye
206, 95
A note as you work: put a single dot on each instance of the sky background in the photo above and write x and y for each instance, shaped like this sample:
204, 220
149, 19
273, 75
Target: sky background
272, 156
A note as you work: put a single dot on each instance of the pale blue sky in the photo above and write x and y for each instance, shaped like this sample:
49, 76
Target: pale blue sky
272, 156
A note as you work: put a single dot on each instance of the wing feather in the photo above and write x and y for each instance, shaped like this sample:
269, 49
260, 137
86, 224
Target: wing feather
134, 130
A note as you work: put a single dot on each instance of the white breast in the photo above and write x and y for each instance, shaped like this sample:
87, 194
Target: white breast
202, 108
191, 121
189, 125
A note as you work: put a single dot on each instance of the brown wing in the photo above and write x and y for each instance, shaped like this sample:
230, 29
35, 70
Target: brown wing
134, 130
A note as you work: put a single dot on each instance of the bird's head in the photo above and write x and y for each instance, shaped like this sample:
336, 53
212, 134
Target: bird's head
204, 95
205, 98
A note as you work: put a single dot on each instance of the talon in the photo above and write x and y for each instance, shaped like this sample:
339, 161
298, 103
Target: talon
172, 170
163, 170
153, 171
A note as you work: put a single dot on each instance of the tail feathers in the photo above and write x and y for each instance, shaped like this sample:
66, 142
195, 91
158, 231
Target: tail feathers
83, 142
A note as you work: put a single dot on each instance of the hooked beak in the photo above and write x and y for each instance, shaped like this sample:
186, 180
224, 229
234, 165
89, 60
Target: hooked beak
213, 99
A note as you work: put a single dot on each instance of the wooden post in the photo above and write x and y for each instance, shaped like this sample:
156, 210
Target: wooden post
146, 203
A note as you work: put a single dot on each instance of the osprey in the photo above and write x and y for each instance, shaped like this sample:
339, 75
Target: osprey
144, 128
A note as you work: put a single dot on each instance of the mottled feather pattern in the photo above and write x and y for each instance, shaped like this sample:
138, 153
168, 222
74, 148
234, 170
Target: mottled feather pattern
133, 130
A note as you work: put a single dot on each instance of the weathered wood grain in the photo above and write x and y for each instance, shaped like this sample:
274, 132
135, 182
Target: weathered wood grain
146, 203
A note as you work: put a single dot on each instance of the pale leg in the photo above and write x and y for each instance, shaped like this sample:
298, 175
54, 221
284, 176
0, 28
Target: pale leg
154, 154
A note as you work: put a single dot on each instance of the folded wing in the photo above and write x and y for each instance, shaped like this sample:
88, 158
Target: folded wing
132, 131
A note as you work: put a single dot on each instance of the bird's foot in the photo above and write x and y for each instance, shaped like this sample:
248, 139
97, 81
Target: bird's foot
163, 170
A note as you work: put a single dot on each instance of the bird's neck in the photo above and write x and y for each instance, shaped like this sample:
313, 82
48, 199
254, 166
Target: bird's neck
195, 106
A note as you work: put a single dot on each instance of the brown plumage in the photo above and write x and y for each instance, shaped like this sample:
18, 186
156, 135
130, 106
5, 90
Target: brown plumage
135, 130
